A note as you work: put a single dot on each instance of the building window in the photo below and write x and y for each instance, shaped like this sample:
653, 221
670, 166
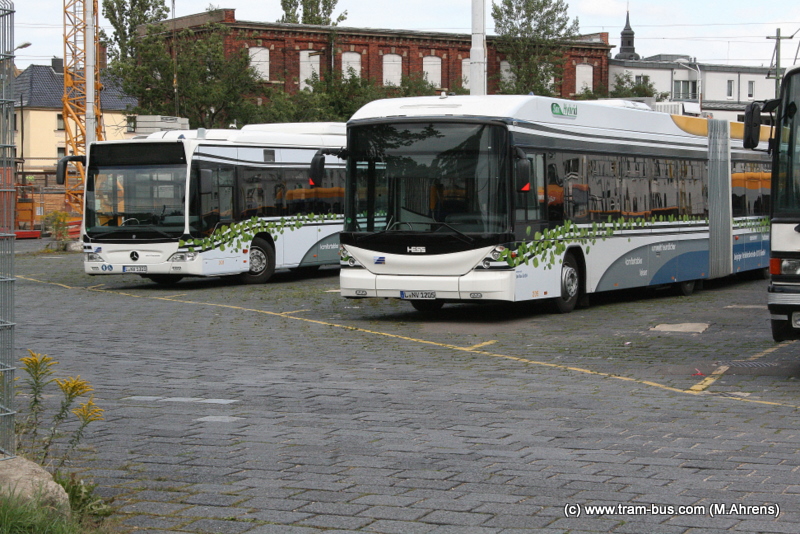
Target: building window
16, 119
60, 121
131, 120
684, 90
641, 79
730, 89
351, 60
751, 89
584, 77
432, 70
392, 69
259, 60
465, 72
309, 66
60, 152
506, 76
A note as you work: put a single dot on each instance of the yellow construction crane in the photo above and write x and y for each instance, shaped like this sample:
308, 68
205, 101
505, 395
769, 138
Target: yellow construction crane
82, 113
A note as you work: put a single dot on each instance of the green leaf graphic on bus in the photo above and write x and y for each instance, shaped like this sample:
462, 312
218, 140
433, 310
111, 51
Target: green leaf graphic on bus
549, 245
241, 234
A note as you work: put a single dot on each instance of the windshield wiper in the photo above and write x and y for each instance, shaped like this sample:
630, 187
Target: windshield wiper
461, 235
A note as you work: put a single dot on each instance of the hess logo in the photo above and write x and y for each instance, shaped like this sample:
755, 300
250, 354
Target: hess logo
416, 250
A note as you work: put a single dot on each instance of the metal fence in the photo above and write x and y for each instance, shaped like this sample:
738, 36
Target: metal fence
7, 162
7, 444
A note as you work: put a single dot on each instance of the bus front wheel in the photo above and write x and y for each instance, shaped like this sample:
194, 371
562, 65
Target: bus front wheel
262, 263
570, 285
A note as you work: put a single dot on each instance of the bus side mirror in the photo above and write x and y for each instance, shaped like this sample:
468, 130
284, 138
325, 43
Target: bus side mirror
61, 168
317, 168
522, 171
752, 125
317, 171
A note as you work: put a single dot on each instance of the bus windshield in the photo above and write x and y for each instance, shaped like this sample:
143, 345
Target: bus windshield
428, 177
135, 200
786, 188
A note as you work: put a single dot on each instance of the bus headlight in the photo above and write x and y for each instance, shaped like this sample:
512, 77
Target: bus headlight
183, 256
790, 267
94, 257
497, 252
780, 266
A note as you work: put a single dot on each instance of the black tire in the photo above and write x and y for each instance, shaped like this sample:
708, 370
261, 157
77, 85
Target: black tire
570, 285
781, 330
164, 279
262, 263
685, 288
427, 305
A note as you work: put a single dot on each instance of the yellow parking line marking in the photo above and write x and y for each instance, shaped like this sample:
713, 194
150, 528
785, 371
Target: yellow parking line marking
690, 391
773, 349
480, 345
290, 312
96, 287
716, 375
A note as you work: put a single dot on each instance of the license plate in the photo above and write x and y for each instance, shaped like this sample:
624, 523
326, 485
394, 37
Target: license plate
134, 268
418, 295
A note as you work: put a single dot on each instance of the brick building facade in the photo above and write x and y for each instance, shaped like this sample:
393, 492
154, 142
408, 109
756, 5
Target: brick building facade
286, 54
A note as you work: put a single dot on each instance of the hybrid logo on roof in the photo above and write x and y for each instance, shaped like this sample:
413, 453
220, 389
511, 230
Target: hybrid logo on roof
566, 111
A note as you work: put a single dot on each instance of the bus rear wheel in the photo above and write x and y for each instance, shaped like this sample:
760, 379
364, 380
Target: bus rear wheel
685, 288
570, 285
262, 263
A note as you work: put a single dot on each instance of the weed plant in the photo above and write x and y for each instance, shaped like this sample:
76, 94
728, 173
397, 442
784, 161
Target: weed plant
41, 439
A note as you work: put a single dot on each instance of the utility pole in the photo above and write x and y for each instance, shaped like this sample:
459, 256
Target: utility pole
778, 40
477, 54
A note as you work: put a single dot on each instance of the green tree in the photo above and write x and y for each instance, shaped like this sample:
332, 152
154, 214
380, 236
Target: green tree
336, 97
214, 90
311, 12
626, 87
125, 16
601, 91
533, 35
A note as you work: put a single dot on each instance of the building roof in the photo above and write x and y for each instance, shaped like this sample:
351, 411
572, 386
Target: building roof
228, 17
650, 63
40, 86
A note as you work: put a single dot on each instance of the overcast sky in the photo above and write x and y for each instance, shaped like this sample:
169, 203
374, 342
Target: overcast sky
733, 32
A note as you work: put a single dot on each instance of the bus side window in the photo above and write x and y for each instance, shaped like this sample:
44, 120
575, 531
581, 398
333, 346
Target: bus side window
531, 199
216, 196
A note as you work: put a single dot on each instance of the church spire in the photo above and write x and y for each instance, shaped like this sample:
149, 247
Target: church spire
627, 50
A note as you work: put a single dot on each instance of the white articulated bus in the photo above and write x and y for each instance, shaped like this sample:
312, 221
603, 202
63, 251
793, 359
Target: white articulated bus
212, 202
784, 290
514, 198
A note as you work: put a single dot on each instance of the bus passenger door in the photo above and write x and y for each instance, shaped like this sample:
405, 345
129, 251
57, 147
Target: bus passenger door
530, 213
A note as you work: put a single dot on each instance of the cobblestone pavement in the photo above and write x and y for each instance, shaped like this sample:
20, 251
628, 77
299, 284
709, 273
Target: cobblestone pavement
285, 409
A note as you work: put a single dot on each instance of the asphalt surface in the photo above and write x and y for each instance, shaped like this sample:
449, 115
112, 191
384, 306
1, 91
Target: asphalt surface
284, 408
